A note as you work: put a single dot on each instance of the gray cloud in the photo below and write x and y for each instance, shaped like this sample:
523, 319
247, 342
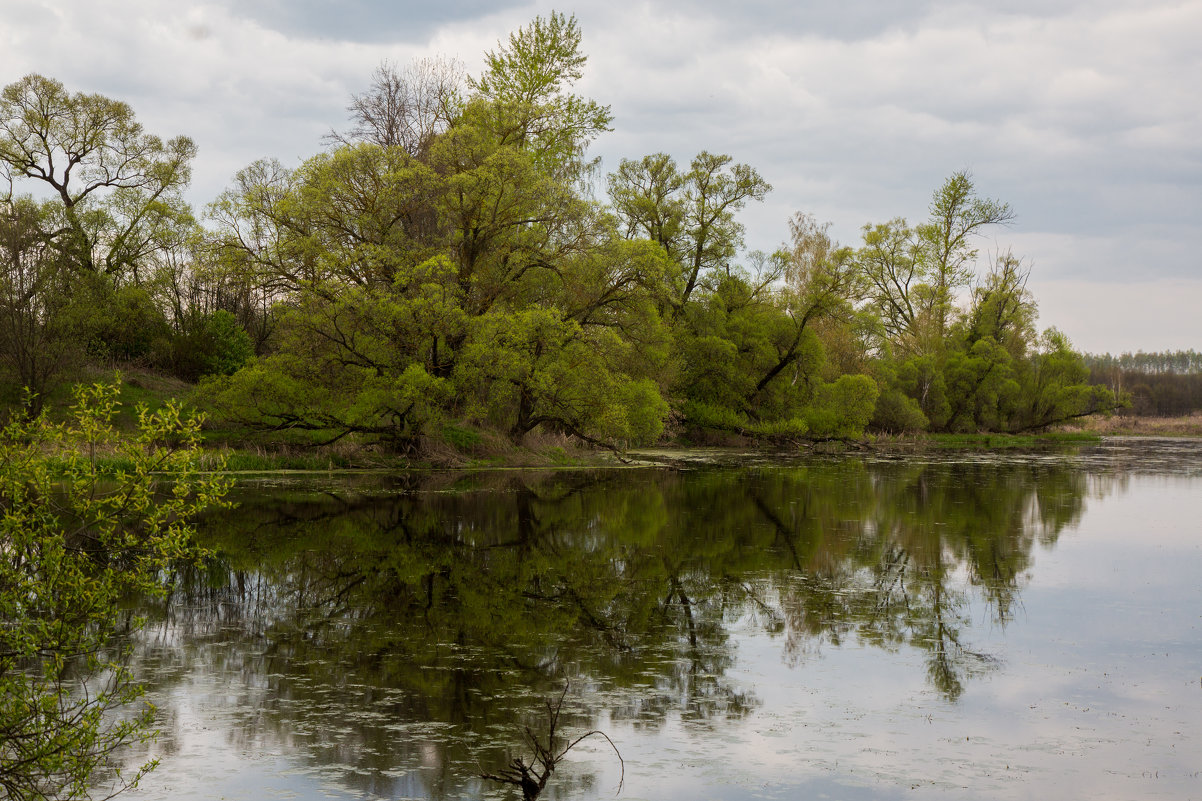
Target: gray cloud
362, 21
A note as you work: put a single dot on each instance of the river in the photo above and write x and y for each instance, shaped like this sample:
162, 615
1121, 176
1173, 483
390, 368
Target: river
738, 626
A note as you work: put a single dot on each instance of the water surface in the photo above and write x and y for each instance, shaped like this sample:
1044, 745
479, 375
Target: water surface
985, 626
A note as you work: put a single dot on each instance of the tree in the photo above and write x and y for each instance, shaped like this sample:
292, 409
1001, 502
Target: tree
405, 108
691, 215
647, 195
534, 367
890, 263
351, 362
524, 84
1055, 386
981, 390
915, 273
956, 214
468, 276
77, 540
821, 281
35, 333
1003, 308
117, 187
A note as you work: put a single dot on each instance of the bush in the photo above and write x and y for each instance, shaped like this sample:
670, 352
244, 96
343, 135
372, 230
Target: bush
78, 538
215, 345
898, 413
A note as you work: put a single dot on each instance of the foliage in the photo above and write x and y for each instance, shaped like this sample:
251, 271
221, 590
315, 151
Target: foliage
536, 368
78, 540
915, 272
691, 215
842, 409
896, 412
116, 188
114, 323
446, 263
75, 264
1055, 388
215, 345
524, 80
36, 339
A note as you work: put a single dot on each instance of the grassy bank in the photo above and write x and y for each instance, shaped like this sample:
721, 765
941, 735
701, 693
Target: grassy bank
464, 446
1130, 426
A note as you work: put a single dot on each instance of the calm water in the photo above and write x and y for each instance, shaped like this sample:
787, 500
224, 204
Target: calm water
994, 627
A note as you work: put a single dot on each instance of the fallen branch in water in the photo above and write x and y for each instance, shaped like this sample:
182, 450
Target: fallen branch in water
532, 776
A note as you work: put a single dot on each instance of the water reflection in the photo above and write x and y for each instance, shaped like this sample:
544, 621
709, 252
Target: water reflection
392, 638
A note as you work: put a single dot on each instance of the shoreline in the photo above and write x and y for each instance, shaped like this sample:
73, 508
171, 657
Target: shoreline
568, 457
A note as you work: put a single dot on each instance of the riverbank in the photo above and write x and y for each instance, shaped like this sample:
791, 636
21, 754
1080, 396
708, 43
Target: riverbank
461, 447
1130, 426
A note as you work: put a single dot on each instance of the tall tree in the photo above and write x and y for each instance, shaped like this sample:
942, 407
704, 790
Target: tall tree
691, 214
1003, 308
525, 83
945, 240
821, 281
916, 273
463, 277
405, 108
891, 264
118, 187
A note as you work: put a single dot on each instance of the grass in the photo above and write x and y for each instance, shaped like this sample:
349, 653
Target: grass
241, 461
1131, 426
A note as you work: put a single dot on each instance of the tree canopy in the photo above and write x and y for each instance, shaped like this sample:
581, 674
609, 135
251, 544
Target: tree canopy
455, 259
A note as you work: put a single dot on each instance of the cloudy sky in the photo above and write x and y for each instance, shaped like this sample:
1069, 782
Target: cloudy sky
1084, 115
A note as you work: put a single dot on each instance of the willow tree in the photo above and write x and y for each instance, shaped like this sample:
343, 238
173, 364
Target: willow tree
458, 279
916, 273
691, 214
117, 189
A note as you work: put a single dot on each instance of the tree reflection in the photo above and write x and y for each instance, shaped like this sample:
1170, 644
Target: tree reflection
412, 628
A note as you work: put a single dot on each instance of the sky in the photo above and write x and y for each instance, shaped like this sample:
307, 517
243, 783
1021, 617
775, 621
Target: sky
1083, 115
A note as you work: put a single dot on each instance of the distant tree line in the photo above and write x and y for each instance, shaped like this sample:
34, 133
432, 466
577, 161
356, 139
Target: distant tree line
448, 262
1159, 384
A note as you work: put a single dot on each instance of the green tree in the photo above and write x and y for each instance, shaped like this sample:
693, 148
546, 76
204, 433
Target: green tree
1055, 386
457, 278
981, 390
524, 84
117, 188
536, 368
1003, 308
890, 262
945, 241
78, 540
915, 273
690, 214
820, 281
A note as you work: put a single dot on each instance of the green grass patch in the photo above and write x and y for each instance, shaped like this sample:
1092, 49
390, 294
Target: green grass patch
460, 438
